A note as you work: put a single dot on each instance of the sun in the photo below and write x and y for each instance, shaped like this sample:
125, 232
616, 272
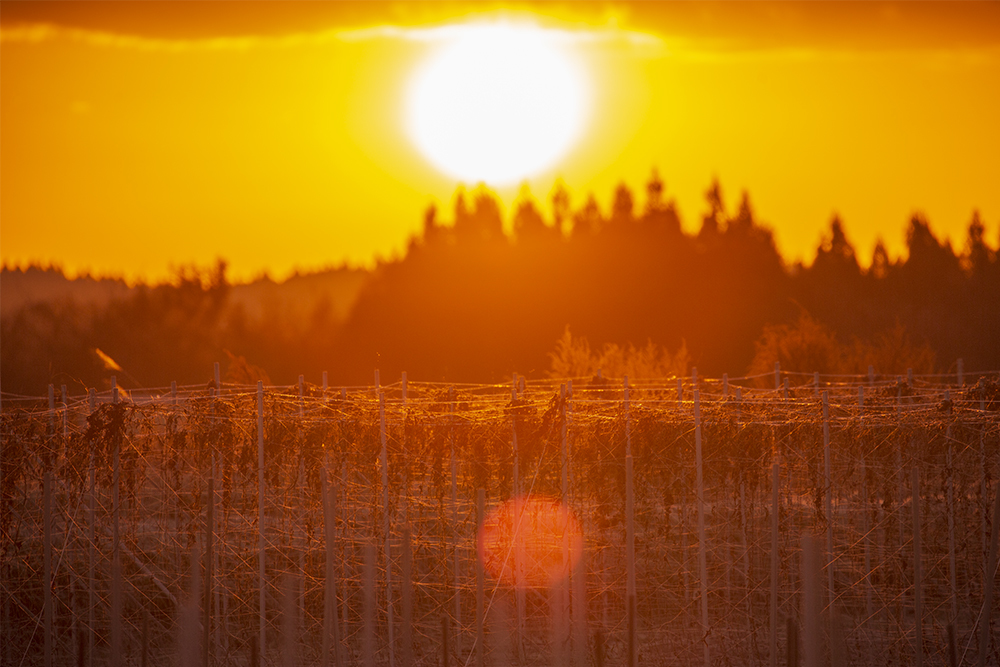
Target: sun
497, 103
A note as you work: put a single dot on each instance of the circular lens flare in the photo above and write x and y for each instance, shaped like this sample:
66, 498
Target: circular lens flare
530, 542
497, 104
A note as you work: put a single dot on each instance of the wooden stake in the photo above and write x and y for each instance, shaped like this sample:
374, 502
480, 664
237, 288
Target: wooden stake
47, 558
368, 635
331, 628
91, 542
918, 582
261, 543
209, 546
831, 592
455, 541
812, 601
563, 587
480, 586
116, 563
630, 531
407, 639
952, 564
519, 599
50, 460
387, 553
866, 525
989, 575
775, 558
702, 557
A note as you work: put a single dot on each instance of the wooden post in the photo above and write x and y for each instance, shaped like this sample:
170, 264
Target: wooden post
116, 563
702, 557
519, 593
209, 546
828, 474
261, 544
812, 601
331, 628
630, 533
384, 464
300, 525
775, 559
47, 528
952, 565
325, 386
680, 393
47, 558
578, 593
91, 542
563, 586
407, 639
918, 582
784, 385
480, 586
368, 633
455, 542
989, 575
777, 376
871, 375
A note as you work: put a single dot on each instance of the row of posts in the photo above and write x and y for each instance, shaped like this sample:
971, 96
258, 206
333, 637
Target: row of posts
331, 629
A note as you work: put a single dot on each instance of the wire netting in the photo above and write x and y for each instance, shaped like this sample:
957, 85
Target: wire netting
400, 467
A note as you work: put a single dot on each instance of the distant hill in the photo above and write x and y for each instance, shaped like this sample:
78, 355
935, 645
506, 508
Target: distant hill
331, 290
334, 290
24, 287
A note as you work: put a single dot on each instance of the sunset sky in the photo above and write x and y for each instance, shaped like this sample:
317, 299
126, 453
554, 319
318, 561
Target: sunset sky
139, 136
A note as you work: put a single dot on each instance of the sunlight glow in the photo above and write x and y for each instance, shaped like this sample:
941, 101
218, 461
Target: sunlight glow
538, 535
497, 104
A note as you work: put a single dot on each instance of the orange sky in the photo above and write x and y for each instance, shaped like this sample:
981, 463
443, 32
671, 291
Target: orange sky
137, 136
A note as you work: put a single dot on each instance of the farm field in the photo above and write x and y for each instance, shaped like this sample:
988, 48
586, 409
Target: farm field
129, 520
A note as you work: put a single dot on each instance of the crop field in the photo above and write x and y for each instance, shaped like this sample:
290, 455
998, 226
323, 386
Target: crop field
561, 522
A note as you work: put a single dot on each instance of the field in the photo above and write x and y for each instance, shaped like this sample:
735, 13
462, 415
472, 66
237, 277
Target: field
140, 528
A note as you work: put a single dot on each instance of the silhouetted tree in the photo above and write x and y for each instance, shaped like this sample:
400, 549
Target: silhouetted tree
529, 226
588, 220
622, 208
561, 209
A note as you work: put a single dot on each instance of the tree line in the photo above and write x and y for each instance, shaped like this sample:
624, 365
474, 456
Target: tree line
475, 299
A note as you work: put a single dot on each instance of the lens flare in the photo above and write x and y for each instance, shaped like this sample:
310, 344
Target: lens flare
530, 542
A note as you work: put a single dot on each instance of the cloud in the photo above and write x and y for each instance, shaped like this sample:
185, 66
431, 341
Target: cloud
450, 31
44, 32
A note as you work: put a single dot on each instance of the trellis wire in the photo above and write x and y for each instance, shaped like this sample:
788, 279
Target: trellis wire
178, 464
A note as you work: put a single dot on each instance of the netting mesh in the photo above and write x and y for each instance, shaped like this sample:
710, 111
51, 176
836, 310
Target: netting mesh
386, 572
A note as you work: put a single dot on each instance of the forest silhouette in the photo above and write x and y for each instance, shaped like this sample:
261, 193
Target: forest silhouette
558, 293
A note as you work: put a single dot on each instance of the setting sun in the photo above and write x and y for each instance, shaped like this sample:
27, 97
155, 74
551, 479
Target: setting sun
498, 103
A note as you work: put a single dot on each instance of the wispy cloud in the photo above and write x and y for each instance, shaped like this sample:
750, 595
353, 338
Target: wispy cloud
41, 32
